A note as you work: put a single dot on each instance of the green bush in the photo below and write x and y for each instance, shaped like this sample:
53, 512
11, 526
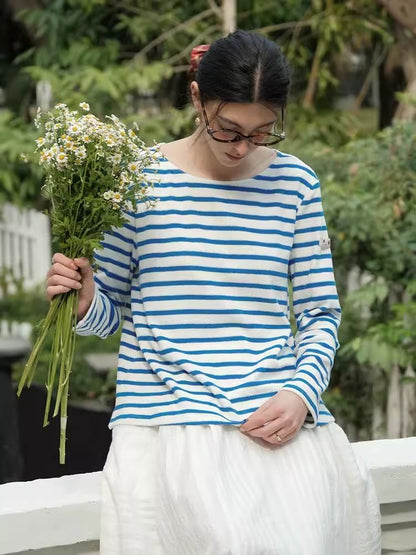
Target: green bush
369, 196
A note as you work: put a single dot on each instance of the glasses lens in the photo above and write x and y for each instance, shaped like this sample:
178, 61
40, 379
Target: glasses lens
265, 139
224, 135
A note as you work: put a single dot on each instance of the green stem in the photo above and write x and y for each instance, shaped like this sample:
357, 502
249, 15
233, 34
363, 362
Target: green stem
62, 317
30, 367
56, 354
66, 369
53, 363
67, 337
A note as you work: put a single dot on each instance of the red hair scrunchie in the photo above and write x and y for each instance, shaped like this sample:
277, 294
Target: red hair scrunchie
196, 54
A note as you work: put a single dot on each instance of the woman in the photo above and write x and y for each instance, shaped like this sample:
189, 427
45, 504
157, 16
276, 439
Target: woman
221, 442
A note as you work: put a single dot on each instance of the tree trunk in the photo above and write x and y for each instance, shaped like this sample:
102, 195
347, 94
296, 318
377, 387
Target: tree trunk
394, 404
378, 427
309, 97
407, 46
401, 59
403, 11
408, 391
44, 95
229, 15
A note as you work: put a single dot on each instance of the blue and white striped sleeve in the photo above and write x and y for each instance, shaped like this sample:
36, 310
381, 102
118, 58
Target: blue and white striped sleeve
112, 279
315, 303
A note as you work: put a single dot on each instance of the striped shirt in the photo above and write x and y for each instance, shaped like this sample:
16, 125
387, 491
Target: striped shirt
200, 283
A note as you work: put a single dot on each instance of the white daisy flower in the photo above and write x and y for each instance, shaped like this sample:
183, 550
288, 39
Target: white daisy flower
116, 158
44, 156
85, 106
69, 145
74, 129
61, 157
133, 167
80, 152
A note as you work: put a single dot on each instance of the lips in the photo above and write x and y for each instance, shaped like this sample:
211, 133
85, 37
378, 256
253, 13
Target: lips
235, 157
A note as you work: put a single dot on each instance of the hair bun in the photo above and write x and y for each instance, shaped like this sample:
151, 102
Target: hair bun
196, 54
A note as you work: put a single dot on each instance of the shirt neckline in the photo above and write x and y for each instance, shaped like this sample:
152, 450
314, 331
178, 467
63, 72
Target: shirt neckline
219, 181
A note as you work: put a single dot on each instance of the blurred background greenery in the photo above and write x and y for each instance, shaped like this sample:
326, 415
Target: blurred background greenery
351, 117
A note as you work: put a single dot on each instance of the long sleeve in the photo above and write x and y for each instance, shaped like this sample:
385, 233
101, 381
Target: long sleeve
315, 303
116, 264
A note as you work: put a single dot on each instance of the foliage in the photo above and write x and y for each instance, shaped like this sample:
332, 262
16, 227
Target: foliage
312, 132
131, 58
371, 202
370, 205
102, 55
16, 179
23, 306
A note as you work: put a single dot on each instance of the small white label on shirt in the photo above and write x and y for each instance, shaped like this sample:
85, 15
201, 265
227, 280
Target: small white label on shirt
324, 242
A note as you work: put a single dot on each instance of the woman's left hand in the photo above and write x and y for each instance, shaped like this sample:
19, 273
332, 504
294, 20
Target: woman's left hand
283, 414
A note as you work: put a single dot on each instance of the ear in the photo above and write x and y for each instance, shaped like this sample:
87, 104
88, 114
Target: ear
195, 96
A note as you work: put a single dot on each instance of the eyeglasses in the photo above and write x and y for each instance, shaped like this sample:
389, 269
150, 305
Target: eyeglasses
230, 136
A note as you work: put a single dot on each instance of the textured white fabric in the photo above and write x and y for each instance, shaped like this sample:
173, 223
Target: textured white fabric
211, 490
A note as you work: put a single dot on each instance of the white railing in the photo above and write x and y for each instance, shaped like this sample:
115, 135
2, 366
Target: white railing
61, 515
25, 246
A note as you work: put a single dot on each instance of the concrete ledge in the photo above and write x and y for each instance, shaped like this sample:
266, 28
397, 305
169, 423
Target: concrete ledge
392, 463
47, 513
59, 512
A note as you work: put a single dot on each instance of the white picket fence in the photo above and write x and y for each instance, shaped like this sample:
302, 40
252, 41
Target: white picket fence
25, 256
25, 246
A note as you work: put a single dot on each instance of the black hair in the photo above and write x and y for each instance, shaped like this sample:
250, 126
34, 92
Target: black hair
244, 67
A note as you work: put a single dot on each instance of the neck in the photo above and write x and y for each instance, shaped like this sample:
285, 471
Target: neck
204, 162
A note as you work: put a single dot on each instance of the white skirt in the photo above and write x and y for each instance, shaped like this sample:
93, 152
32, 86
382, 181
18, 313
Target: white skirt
212, 490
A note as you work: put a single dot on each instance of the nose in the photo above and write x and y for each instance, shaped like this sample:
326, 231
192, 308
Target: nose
241, 148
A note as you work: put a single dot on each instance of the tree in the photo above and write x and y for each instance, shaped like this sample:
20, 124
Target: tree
370, 205
401, 58
229, 15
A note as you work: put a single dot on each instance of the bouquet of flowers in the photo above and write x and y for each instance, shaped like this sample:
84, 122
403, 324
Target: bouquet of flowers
94, 175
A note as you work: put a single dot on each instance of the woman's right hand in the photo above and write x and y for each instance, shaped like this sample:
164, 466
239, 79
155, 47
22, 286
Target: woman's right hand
66, 274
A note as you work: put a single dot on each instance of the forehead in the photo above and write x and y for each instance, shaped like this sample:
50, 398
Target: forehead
246, 115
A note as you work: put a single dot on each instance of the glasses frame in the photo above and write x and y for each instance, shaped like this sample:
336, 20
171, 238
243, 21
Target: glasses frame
240, 136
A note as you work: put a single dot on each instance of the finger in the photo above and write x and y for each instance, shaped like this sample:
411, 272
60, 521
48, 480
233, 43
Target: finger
82, 262
58, 280
84, 267
51, 292
60, 269
266, 429
258, 419
283, 435
266, 412
62, 259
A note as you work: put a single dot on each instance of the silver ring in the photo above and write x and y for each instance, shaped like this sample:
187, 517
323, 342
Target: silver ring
279, 439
